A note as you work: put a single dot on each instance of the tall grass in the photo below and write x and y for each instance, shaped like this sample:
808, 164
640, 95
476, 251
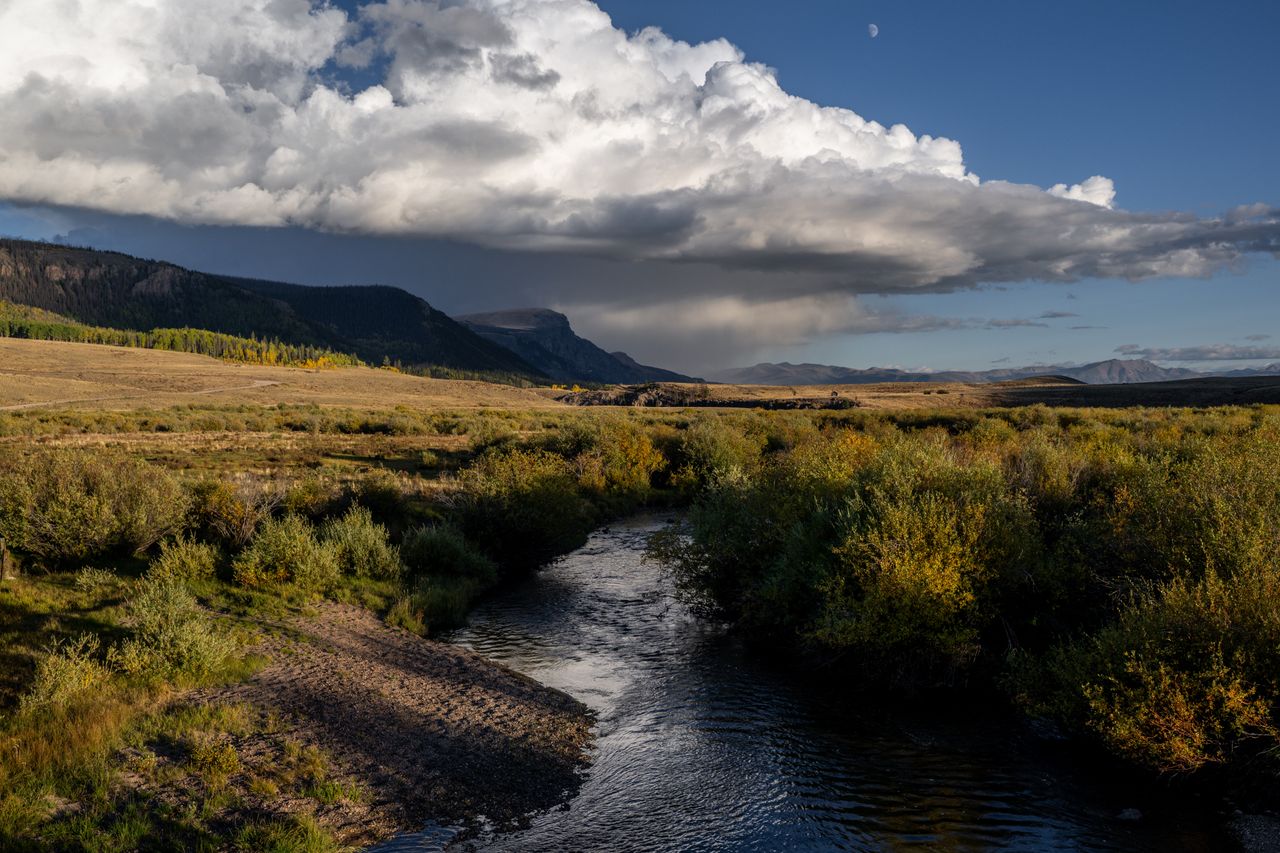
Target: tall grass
60, 742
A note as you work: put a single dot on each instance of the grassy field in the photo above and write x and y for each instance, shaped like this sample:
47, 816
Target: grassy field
1049, 391
37, 374
89, 377
183, 536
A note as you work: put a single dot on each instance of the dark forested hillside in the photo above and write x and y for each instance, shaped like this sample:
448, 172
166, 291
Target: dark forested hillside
37, 324
389, 321
122, 292
111, 289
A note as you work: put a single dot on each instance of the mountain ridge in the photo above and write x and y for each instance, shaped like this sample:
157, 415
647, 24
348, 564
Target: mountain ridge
1112, 371
546, 339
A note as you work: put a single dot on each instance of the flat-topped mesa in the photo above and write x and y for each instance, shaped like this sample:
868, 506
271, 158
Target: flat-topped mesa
518, 319
545, 339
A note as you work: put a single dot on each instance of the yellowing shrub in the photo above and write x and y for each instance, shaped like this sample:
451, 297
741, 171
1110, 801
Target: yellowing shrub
286, 551
360, 545
64, 505
69, 673
184, 559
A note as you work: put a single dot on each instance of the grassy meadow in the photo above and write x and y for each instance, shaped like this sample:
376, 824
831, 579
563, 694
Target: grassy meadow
147, 550
1113, 571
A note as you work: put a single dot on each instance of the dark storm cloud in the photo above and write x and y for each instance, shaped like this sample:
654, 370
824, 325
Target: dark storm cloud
522, 70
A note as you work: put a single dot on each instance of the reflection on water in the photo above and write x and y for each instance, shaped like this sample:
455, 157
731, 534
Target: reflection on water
703, 747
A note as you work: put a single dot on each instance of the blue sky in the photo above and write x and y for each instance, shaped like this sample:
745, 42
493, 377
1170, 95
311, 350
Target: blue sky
1173, 101
1176, 101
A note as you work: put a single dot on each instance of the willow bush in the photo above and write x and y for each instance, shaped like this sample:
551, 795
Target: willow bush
1115, 570
522, 506
67, 504
361, 545
287, 551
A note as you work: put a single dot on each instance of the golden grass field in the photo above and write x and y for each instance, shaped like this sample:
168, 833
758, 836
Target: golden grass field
53, 374
40, 374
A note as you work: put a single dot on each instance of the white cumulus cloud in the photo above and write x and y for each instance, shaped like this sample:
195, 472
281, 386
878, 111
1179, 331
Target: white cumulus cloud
534, 124
1096, 190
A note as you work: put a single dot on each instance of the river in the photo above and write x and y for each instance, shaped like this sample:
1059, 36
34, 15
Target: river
704, 746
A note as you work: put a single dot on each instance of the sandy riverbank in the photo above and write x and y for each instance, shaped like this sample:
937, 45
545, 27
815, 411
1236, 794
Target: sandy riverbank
425, 730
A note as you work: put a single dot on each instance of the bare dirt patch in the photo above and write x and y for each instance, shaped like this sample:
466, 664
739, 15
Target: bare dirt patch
426, 730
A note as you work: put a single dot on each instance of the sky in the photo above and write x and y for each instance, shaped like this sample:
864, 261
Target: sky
700, 184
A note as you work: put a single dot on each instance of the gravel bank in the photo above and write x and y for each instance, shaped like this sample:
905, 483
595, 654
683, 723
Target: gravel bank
429, 731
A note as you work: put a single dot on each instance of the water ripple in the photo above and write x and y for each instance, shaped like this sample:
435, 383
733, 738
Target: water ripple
703, 747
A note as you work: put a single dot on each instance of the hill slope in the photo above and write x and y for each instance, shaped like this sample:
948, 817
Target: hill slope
44, 374
391, 321
123, 292
545, 339
37, 324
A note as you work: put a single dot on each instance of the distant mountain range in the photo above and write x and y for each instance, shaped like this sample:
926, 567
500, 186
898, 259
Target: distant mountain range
377, 323
544, 339
123, 292
1110, 372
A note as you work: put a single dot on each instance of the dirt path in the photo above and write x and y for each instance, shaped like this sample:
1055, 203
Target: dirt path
429, 730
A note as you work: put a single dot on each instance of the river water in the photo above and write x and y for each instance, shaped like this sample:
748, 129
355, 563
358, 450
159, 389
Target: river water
704, 746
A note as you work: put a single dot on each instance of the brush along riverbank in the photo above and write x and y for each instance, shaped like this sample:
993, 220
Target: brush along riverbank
1112, 571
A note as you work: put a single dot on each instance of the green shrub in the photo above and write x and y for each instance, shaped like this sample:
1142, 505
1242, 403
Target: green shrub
64, 505
90, 579
905, 586
184, 559
173, 637
286, 551
218, 512
360, 545
1230, 502
523, 507
311, 497
442, 550
386, 495
436, 603
621, 464
918, 551
70, 672
713, 449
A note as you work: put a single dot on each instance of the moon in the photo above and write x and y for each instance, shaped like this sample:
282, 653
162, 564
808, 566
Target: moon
873, 30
